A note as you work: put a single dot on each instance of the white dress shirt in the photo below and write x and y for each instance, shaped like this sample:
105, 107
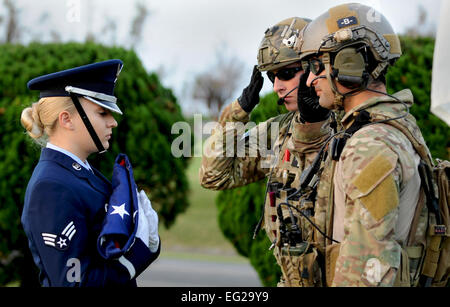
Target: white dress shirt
74, 157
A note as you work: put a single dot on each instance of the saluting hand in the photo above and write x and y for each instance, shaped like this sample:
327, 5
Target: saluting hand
250, 95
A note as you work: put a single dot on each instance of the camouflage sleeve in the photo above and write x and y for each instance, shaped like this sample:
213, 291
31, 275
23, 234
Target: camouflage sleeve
309, 138
229, 159
370, 175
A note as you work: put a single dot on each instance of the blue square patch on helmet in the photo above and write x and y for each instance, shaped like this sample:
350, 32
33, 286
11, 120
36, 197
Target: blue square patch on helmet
347, 21
94, 82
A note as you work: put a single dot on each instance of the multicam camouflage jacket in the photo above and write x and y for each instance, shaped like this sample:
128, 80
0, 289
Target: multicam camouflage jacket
368, 199
223, 167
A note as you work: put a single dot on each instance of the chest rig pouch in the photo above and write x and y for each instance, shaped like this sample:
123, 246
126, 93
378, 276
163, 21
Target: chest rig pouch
287, 225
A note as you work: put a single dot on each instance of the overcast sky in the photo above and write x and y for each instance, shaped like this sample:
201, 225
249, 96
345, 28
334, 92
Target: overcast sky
182, 37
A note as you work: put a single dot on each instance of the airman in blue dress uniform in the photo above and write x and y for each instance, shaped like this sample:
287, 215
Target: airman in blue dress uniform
66, 199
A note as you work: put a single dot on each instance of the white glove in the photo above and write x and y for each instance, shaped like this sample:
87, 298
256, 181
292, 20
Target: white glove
148, 223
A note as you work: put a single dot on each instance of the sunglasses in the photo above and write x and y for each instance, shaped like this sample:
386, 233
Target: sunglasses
315, 66
284, 74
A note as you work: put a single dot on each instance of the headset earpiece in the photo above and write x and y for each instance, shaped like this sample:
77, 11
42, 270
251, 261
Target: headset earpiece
351, 68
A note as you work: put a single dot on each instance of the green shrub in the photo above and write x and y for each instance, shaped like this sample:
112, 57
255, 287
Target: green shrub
144, 134
414, 70
240, 209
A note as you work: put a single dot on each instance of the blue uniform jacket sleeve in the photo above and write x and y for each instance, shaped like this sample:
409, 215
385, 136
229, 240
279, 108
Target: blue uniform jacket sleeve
65, 238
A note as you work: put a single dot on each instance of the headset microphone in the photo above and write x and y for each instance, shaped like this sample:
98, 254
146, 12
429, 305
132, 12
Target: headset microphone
281, 100
317, 78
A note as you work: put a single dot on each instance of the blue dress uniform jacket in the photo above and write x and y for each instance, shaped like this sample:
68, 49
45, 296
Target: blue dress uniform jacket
62, 217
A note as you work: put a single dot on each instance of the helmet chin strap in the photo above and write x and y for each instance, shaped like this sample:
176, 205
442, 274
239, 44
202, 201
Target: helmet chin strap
339, 98
87, 123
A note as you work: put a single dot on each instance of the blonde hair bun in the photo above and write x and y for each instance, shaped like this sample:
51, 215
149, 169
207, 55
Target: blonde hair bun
41, 118
31, 121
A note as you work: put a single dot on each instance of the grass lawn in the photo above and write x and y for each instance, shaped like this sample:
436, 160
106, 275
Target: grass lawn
196, 230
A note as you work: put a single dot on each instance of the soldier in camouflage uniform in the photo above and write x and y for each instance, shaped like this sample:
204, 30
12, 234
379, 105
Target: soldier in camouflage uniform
279, 56
370, 205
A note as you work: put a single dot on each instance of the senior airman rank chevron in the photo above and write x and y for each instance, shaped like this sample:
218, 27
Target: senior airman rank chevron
60, 242
120, 224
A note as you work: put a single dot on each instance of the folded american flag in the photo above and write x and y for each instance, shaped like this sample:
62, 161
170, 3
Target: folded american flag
120, 224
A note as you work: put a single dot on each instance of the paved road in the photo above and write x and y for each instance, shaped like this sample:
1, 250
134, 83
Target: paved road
169, 272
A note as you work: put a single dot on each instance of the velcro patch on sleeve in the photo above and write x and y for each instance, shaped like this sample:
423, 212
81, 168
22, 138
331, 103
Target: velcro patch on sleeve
383, 199
377, 188
373, 173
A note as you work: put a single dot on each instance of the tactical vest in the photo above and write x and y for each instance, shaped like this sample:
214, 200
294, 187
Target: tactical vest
427, 262
305, 255
424, 258
288, 238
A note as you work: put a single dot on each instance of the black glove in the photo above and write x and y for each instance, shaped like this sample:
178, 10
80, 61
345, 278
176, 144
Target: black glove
308, 102
250, 95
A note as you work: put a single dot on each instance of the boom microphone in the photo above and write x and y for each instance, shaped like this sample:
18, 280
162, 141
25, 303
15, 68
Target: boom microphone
281, 100
317, 78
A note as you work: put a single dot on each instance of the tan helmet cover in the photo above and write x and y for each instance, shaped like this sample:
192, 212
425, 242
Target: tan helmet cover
350, 24
281, 44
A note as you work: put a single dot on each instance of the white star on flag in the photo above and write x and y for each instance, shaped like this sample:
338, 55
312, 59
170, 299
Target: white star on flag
120, 210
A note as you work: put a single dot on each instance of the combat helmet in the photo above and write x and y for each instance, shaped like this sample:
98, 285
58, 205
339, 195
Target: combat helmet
341, 34
281, 44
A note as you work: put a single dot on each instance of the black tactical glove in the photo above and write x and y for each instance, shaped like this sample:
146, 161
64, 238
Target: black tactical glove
308, 102
250, 95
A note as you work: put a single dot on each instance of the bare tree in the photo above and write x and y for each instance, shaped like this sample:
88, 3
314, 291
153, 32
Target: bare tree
12, 29
216, 85
423, 27
138, 23
111, 28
